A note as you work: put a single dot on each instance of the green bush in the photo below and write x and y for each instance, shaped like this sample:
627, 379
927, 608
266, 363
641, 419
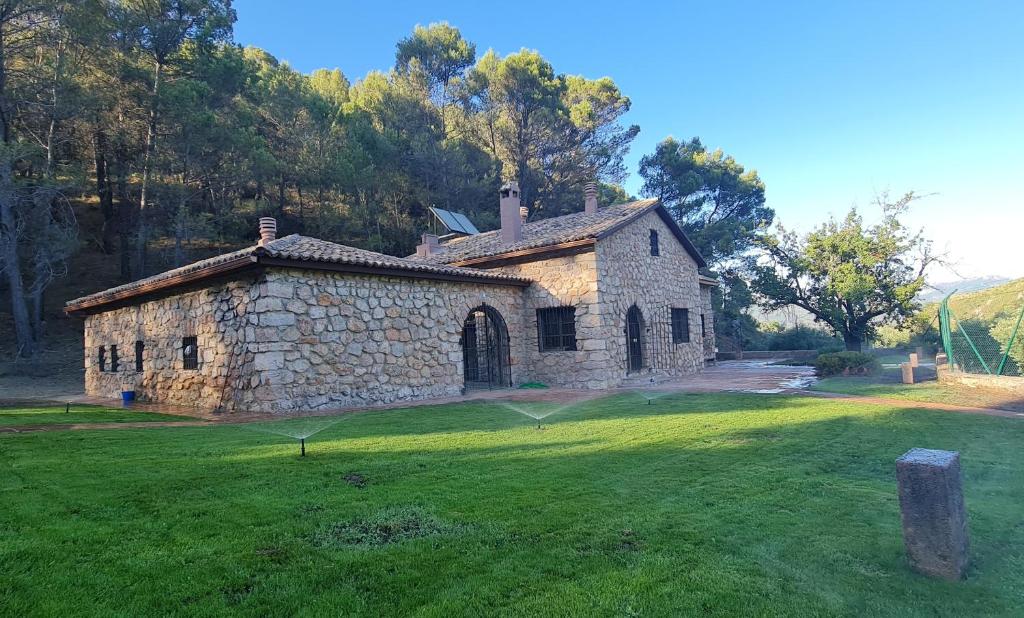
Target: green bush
846, 363
801, 338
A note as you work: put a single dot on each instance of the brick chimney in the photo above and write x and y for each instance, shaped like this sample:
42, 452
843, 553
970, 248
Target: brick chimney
511, 217
590, 198
431, 245
268, 230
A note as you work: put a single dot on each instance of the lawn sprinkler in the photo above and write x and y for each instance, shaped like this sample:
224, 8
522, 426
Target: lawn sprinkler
67, 407
302, 445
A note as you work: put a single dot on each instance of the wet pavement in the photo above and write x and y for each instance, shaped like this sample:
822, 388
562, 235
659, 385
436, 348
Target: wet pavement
747, 376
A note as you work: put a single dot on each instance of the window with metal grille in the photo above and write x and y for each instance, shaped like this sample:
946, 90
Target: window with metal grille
703, 327
140, 347
113, 358
680, 325
556, 329
655, 249
102, 358
190, 352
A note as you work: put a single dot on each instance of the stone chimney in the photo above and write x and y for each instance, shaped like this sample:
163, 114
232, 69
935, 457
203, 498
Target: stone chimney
511, 216
590, 198
431, 245
524, 212
268, 230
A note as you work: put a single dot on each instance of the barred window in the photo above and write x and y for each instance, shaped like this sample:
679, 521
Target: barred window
190, 352
655, 249
680, 325
102, 358
113, 358
140, 347
556, 329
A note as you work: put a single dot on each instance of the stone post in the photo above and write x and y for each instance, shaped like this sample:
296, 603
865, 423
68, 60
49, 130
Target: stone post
941, 366
913, 359
908, 373
932, 511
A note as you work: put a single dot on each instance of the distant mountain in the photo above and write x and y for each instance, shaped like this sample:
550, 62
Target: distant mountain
938, 291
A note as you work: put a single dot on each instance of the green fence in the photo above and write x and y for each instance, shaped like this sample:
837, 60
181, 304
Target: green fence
976, 342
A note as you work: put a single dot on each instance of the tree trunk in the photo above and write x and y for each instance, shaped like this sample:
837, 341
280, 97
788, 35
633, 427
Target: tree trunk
11, 265
123, 212
853, 342
141, 229
38, 305
104, 191
280, 199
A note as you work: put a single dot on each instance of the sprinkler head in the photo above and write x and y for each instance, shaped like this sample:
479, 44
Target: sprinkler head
302, 444
67, 407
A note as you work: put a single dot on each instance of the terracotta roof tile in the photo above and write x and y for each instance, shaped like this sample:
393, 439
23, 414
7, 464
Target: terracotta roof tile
293, 248
558, 230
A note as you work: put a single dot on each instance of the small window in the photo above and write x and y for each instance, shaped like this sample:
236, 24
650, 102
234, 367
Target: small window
140, 347
655, 249
680, 325
102, 358
556, 329
113, 358
703, 327
190, 352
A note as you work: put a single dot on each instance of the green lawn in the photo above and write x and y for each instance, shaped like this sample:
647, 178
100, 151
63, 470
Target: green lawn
24, 416
698, 504
875, 386
887, 385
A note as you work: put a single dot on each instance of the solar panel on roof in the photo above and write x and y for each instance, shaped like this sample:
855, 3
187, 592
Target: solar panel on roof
455, 222
466, 223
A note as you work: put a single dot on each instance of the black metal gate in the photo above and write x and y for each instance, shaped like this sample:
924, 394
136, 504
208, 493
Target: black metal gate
635, 338
486, 359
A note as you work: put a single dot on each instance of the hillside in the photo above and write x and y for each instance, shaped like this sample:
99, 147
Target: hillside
938, 291
986, 305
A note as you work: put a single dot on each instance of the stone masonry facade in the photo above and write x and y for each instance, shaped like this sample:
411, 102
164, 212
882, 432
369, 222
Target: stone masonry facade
289, 339
629, 275
298, 340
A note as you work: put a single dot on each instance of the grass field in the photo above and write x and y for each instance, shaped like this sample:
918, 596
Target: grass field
697, 504
77, 413
887, 385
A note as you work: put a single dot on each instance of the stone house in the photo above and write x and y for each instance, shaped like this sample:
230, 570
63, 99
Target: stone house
601, 298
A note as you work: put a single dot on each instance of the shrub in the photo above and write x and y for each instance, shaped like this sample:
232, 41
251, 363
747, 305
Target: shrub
803, 338
846, 363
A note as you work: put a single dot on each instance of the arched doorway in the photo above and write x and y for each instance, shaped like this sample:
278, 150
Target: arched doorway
635, 339
486, 360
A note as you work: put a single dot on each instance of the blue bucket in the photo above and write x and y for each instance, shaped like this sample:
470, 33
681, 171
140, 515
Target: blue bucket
127, 396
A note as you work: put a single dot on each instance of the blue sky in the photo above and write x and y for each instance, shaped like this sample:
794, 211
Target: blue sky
830, 101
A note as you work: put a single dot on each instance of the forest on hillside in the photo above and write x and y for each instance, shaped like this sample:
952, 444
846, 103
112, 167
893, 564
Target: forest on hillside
148, 117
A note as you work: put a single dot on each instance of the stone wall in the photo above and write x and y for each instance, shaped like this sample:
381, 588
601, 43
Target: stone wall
1012, 385
567, 281
324, 340
213, 315
628, 274
708, 311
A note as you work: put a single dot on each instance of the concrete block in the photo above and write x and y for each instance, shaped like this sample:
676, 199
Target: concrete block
908, 373
913, 359
932, 511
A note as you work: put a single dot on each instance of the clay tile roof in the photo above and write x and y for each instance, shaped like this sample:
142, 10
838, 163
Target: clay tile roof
305, 249
569, 228
289, 251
